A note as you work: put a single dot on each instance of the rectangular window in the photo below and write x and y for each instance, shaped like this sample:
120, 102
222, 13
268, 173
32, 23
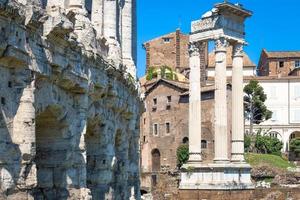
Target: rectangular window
297, 91
273, 94
155, 101
167, 40
155, 129
297, 64
297, 115
169, 99
167, 127
281, 64
274, 116
3, 101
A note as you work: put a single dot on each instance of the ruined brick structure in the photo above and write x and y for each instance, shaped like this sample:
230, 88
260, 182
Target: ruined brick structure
69, 105
164, 127
279, 63
170, 50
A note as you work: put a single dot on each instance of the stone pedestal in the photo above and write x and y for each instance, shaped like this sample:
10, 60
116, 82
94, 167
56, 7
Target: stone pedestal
214, 176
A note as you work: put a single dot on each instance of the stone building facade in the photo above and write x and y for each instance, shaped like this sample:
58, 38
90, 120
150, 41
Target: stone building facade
69, 105
170, 50
279, 63
164, 127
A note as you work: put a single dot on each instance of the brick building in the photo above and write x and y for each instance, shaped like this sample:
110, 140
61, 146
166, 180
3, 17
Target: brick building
279, 63
170, 50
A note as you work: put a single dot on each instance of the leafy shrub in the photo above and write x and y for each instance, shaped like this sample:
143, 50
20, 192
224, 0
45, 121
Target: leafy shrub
247, 143
268, 145
182, 154
295, 146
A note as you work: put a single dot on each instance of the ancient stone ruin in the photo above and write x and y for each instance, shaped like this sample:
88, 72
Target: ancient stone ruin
69, 101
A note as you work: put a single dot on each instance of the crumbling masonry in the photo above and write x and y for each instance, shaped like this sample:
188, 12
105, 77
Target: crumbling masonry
69, 103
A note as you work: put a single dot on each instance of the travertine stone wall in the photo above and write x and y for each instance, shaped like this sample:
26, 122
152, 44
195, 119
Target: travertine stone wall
69, 116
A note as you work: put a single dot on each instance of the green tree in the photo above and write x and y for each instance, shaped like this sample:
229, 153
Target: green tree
182, 154
268, 145
295, 146
254, 102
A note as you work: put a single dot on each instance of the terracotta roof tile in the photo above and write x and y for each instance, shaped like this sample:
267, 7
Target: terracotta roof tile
283, 54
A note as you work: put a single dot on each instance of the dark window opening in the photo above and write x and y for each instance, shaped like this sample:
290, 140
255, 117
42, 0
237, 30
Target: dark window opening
103, 162
203, 144
154, 109
155, 160
185, 140
168, 107
17, 34
281, 64
167, 127
154, 182
155, 131
169, 99
3, 101
144, 120
144, 138
9, 84
154, 101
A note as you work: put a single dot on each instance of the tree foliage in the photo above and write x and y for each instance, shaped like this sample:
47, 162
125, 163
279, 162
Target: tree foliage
182, 154
295, 146
268, 145
164, 71
254, 103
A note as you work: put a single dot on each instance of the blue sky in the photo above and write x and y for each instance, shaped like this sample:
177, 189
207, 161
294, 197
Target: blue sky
275, 24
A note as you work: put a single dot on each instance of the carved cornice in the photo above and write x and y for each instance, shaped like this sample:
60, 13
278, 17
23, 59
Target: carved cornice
238, 50
221, 44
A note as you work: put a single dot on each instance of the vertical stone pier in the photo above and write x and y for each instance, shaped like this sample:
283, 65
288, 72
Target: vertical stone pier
237, 152
221, 152
195, 104
224, 25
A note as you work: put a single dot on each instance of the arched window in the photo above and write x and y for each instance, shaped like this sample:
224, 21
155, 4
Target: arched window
203, 144
185, 140
155, 160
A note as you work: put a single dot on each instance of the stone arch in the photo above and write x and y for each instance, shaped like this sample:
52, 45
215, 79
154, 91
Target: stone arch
155, 153
274, 134
95, 161
185, 140
51, 154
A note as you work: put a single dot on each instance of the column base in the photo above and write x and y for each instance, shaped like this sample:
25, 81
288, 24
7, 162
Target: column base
216, 177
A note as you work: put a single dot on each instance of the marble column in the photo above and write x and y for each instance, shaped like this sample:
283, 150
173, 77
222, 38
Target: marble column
221, 135
127, 33
237, 154
77, 4
195, 104
97, 16
110, 19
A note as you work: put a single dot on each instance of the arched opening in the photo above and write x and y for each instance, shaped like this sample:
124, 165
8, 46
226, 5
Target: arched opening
185, 140
155, 160
274, 134
293, 156
95, 159
51, 154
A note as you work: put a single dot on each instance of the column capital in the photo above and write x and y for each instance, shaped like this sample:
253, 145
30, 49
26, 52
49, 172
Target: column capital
194, 49
238, 50
221, 44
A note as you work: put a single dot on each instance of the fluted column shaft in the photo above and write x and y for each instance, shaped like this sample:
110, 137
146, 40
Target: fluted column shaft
237, 105
110, 19
97, 16
221, 150
195, 104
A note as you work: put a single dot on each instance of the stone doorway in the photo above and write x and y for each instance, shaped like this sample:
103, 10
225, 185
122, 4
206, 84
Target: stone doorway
155, 160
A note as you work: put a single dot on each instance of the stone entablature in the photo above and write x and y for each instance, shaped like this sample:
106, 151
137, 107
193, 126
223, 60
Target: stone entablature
69, 113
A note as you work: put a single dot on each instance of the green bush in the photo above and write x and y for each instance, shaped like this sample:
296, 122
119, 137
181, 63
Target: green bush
268, 145
295, 146
151, 73
182, 154
247, 143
